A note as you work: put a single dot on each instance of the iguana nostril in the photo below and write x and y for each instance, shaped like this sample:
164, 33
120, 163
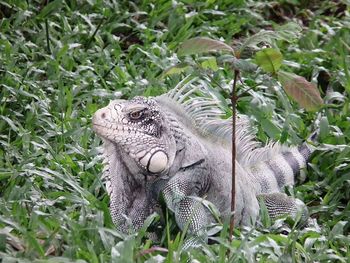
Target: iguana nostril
103, 115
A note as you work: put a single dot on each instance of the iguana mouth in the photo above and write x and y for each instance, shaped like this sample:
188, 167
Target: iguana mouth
110, 127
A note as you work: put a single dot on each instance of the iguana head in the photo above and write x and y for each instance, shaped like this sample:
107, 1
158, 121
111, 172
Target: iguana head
137, 127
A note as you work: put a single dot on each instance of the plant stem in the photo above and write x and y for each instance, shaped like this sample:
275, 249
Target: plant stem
233, 190
109, 71
94, 34
47, 36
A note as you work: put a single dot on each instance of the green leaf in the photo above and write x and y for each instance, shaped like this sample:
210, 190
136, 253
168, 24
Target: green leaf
149, 220
123, 250
176, 69
338, 229
324, 127
34, 243
269, 59
200, 45
243, 65
271, 129
50, 8
287, 32
210, 64
301, 90
3, 238
262, 36
213, 210
264, 214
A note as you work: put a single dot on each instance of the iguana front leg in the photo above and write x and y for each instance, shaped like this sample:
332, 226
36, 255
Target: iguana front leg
129, 201
129, 211
182, 195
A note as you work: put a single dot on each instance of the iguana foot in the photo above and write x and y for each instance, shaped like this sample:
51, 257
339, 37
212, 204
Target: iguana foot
280, 204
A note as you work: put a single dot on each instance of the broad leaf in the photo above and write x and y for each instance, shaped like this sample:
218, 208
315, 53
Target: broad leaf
287, 32
243, 65
210, 64
269, 59
202, 44
262, 36
176, 69
301, 90
271, 129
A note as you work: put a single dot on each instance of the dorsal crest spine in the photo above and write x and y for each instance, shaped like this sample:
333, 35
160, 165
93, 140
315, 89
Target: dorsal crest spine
204, 110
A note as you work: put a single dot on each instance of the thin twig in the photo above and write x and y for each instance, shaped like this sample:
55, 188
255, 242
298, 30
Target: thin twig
94, 34
47, 36
109, 71
248, 89
233, 190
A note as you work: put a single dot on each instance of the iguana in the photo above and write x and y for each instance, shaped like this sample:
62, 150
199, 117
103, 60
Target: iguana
178, 147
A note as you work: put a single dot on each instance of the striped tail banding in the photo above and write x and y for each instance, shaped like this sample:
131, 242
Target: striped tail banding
281, 169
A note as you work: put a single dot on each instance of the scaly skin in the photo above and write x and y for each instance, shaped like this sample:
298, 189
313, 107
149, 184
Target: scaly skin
153, 150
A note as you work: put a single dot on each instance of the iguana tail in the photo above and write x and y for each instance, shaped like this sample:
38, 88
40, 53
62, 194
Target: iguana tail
278, 171
275, 171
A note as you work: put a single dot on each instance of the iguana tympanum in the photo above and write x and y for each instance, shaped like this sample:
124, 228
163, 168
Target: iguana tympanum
178, 148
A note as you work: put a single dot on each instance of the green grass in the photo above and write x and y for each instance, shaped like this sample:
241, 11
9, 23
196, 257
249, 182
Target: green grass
61, 62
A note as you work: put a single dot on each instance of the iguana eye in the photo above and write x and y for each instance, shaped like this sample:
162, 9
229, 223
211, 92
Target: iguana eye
136, 115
